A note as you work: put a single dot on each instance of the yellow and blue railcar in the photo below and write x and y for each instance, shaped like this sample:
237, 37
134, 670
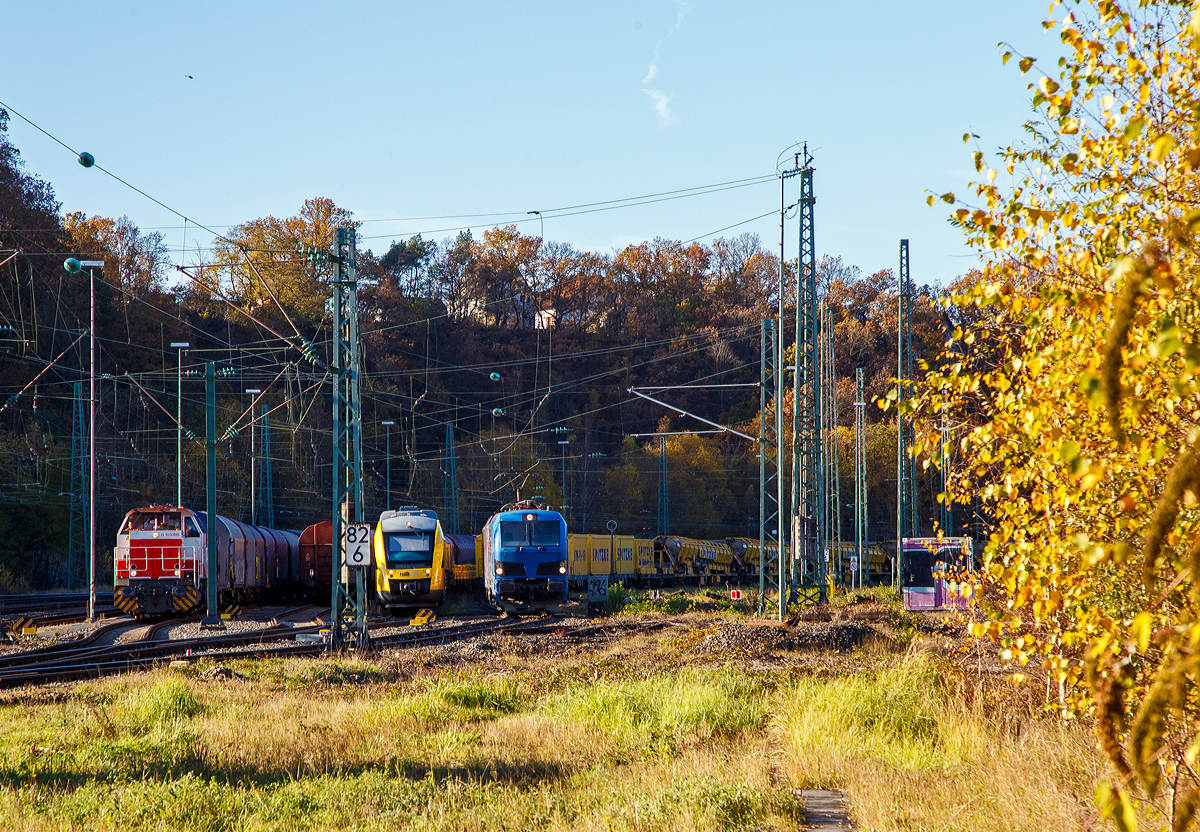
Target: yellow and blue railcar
411, 563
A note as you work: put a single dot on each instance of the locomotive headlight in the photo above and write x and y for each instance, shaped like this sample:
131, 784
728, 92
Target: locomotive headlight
133, 573
177, 573
562, 567
499, 569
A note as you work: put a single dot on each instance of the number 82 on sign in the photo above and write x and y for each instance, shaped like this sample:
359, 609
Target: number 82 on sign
357, 537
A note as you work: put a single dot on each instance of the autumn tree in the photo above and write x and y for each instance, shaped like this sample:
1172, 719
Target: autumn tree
1073, 379
260, 258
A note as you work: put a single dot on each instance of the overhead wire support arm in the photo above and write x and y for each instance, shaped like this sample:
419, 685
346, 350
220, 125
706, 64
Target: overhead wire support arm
697, 387
233, 428
716, 425
19, 393
270, 291
306, 349
191, 436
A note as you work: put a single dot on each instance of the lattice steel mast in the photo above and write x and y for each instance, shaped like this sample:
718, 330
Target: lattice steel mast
347, 441
78, 528
770, 380
808, 470
860, 479
785, 511
906, 520
266, 505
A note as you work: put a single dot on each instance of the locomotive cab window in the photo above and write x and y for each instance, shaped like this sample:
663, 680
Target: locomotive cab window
918, 567
190, 528
516, 533
408, 550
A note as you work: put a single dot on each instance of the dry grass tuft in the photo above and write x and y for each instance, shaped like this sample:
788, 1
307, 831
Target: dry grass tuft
912, 753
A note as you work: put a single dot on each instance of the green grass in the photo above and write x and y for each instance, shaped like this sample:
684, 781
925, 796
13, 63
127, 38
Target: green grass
618, 597
689, 703
895, 717
603, 743
967, 758
885, 595
166, 750
670, 604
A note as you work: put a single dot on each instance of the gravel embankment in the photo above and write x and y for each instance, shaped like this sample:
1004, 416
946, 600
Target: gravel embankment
737, 638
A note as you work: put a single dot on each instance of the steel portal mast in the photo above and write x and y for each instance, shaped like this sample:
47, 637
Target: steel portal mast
347, 442
945, 508
265, 487
832, 460
808, 470
664, 511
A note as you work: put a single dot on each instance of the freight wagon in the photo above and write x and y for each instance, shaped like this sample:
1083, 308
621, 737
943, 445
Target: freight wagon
160, 562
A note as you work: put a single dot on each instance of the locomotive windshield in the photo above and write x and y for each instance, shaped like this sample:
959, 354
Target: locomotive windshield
151, 522
514, 533
407, 550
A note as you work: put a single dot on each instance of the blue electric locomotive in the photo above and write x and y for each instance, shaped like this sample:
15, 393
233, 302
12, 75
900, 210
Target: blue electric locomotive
525, 558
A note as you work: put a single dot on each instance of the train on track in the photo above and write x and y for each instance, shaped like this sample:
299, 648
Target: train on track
409, 555
160, 562
655, 562
525, 559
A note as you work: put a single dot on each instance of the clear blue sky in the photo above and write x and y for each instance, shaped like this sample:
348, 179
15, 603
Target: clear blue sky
407, 110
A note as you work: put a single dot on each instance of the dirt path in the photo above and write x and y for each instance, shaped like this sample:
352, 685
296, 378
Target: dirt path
825, 809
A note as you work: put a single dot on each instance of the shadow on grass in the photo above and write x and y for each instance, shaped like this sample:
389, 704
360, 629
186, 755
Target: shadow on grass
44, 771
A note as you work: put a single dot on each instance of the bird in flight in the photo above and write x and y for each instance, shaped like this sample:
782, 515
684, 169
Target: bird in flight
188, 76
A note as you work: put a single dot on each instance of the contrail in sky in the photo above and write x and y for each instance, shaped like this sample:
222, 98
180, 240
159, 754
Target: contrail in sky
662, 101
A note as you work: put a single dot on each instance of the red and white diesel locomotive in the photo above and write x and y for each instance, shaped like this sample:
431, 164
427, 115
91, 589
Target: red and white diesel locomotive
160, 563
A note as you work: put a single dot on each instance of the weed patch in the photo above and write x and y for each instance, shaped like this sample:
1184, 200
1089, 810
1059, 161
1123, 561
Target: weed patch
689, 703
960, 770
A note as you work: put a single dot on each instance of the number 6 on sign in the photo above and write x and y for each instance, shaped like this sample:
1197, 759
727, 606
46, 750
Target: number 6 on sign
358, 544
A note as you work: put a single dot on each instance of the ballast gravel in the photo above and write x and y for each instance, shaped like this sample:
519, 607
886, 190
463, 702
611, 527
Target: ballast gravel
191, 629
738, 638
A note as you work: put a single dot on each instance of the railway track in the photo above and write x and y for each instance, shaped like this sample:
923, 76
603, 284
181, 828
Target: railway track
315, 613
11, 605
68, 662
74, 617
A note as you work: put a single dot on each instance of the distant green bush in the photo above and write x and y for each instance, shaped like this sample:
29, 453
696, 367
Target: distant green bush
618, 597
667, 604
